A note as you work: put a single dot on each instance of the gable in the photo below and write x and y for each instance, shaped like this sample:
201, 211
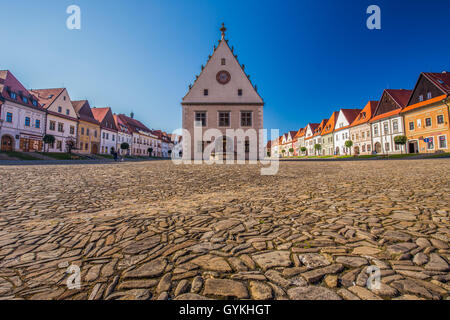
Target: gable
341, 120
63, 101
386, 104
222, 93
424, 86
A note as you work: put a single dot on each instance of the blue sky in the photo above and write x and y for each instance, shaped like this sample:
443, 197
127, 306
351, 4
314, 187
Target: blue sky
308, 58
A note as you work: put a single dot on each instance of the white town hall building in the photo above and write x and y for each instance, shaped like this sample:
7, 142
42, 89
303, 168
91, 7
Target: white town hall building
222, 97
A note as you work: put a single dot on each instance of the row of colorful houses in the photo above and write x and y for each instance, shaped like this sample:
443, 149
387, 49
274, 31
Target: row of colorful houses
420, 116
26, 116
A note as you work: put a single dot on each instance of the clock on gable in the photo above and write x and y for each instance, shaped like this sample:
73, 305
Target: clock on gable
223, 77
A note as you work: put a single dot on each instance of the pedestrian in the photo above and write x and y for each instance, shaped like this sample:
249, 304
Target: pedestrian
115, 156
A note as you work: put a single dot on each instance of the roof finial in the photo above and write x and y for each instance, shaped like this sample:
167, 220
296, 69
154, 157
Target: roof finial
223, 29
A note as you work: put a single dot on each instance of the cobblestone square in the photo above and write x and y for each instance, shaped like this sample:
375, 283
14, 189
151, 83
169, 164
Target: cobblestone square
156, 230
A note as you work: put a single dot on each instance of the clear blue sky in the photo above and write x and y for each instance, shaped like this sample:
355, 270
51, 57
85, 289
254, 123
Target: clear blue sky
308, 58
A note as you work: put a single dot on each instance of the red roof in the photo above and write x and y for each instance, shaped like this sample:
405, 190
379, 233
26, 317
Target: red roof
319, 129
331, 123
9, 84
99, 113
441, 80
400, 97
366, 114
47, 96
133, 124
84, 111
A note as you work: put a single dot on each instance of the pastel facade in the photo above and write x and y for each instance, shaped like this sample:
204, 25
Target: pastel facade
22, 119
427, 114
88, 134
328, 136
317, 138
142, 137
360, 130
124, 135
221, 98
108, 130
308, 141
342, 130
387, 122
62, 120
299, 141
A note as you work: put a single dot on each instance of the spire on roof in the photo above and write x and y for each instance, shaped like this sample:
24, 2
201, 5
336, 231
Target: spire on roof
223, 29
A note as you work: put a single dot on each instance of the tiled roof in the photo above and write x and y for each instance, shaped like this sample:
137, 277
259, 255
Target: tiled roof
120, 124
366, 114
300, 133
85, 113
9, 84
401, 98
319, 129
47, 96
99, 113
133, 124
441, 80
331, 123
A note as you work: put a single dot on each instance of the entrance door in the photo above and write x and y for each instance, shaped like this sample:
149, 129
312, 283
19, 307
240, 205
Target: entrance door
413, 147
378, 147
7, 143
94, 148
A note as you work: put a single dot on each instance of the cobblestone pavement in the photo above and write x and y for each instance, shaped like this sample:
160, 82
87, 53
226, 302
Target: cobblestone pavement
158, 231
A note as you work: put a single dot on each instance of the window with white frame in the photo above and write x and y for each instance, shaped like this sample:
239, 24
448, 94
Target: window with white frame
442, 142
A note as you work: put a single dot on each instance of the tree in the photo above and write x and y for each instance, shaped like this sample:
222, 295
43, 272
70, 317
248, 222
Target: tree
150, 150
317, 147
70, 144
303, 149
268, 153
48, 139
349, 144
124, 146
401, 141
283, 151
291, 150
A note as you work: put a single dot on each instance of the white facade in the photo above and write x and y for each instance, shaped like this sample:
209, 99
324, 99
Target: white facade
22, 122
308, 141
384, 132
63, 130
121, 138
341, 135
108, 141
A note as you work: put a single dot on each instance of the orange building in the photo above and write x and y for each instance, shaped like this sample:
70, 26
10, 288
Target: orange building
360, 130
427, 114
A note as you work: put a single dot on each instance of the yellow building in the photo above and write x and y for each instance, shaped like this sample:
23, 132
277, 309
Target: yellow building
427, 114
88, 135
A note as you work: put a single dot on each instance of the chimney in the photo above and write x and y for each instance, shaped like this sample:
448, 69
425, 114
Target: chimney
132, 115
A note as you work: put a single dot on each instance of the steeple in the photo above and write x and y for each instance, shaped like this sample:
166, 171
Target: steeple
223, 29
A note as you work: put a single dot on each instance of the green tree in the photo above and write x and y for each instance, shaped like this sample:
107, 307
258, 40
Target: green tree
150, 150
317, 147
303, 149
291, 150
401, 141
48, 139
124, 146
349, 144
71, 145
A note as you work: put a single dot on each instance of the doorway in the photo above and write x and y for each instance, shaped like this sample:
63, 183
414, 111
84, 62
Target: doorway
413, 147
378, 148
7, 143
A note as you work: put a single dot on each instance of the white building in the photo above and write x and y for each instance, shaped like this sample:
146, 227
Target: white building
342, 130
387, 123
308, 138
22, 119
62, 121
108, 130
124, 135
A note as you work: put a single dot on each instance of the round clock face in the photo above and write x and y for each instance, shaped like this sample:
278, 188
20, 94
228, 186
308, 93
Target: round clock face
223, 77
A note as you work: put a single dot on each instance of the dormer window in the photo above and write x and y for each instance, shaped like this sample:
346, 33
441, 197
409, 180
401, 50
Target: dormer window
429, 95
421, 98
34, 102
205, 92
13, 95
25, 99
223, 61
